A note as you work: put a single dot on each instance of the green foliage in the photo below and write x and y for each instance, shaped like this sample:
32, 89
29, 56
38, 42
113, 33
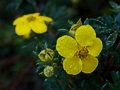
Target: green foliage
115, 7
116, 78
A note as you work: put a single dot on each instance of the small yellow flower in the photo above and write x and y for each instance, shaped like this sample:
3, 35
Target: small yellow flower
48, 71
27, 22
46, 55
80, 53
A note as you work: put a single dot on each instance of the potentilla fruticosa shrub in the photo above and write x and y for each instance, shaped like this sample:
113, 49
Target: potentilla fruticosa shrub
79, 58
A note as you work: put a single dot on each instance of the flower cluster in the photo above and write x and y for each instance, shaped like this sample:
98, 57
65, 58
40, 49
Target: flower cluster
80, 52
47, 55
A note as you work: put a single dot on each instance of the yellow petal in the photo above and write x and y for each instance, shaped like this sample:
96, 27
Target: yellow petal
72, 65
22, 29
95, 48
66, 46
85, 35
89, 64
44, 18
26, 35
38, 27
36, 14
18, 20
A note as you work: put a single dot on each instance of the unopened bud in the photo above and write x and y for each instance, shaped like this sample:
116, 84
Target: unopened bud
74, 27
48, 71
46, 55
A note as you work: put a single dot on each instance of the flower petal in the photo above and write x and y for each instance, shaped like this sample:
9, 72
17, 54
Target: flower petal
89, 64
95, 48
38, 27
27, 35
72, 65
44, 18
66, 46
18, 20
22, 29
85, 35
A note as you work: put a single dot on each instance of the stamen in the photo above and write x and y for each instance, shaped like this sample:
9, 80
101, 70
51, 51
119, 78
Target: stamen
31, 18
82, 53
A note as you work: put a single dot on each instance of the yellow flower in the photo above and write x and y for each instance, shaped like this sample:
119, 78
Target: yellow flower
27, 22
80, 53
48, 71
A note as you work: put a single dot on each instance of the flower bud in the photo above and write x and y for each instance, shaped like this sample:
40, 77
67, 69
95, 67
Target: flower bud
46, 55
74, 27
48, 71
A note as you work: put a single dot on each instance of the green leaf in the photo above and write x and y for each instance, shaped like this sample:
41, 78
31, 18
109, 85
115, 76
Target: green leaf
45, 45
35, 53
103, 86
96, 22
104, 30
63, 30
39, 68
32, 2
116, 10
14, 4
110, 85
113, 4
70, 22
116, 79
79, 23
107, 20
17, 5
115, 7
116, 76
86, 21
111, 39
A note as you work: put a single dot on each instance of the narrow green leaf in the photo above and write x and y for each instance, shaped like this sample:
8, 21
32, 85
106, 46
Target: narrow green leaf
39, 68
32, 2
111, 39
113, 4
115, 10
79, 22
70, 22
96, 22
117, 18
35, 53
116, 76
45, 45
24, 47
86, 21
103, 86
110, 85
18, 3
107, 20
62, 30
104, 30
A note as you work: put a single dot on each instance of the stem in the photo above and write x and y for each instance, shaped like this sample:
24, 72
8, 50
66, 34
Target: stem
36, 8
36, 38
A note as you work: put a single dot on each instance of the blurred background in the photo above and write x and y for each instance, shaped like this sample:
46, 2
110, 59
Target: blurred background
17, 61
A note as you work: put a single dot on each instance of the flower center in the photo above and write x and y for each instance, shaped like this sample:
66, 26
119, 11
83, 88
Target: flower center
82, 52
31, 18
